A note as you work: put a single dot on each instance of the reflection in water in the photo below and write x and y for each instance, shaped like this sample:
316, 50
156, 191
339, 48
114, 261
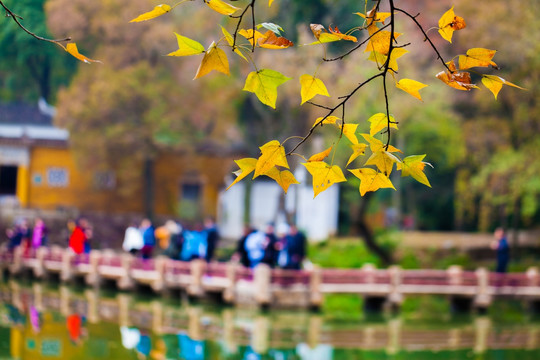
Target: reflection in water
37, 322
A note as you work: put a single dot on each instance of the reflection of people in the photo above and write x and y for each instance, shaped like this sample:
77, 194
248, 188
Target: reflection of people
74, 324
503, 250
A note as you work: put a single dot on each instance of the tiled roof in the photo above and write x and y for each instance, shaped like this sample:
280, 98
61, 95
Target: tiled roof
23, 114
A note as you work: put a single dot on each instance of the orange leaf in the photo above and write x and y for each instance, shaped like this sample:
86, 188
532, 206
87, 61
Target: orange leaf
448, 23
477, 57
335, 31
271, 41
320, 156
72, 49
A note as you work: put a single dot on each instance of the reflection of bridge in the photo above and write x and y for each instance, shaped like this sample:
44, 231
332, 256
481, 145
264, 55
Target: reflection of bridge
239, 327
274, 287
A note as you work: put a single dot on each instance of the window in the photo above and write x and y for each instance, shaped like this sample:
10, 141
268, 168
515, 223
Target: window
8, 180
191, 192
57, 177
190, 204
104, 180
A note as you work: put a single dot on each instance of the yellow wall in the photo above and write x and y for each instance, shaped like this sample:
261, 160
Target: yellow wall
171, 171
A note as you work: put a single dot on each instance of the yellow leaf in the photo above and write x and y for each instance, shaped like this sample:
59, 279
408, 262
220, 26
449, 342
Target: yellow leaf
158, 11
72, 49
284, 178
272, 154
358, 149
375, 16
187, 47
371, 180
248, 34
230, 40
380, 40
323, 175
246, 165
495, 84
222, 7
271, 41
270, 2
328, 120
477, 57
377, 145
311, 86
380, 59
320, 156
324, 36
380, 121
214, 59
349, 130
457, 80
414, 166
411, 87
448, 23
264, 84
383, 160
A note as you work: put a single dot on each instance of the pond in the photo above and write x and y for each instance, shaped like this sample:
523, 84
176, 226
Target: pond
52, 321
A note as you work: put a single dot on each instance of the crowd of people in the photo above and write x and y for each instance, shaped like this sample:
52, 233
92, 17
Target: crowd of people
22, 234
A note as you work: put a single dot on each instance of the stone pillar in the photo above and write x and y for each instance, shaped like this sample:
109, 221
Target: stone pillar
482, 325
261, 279
483, 298
92, 300
93, 278
260, 335
160, 264
66, 273
198, 268
315, 294
395, 297
126, 281
229, 294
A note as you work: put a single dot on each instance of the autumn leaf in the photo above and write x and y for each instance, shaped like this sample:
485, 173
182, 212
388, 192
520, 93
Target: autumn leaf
358, 149
72, 49
187, 47
379, 40
411, 87
214, 59
271, 41
246, 165
380, 59
275, 28
328, 120
311, 86
456, 79
383, 160
158, 11
270, 2
495, 84
249, 34
414, 166
477, 57
230, 40
448, 23
284, 178
377, 145
374, 16
371, 180
272, 154
323, 36
264, 84
380, 121
349, 130
323, 175
221, 7
335, 31
320, 156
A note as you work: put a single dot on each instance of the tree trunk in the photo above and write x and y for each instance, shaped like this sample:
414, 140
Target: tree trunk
364, 230
148, 188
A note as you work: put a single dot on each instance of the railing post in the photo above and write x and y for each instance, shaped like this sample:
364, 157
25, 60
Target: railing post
157, 317
314, 331
126, 281
66, 273
194, 323
229, 293
41, 253
123, 309
261, 331
455, 275
395, 297
93, 306
482, 299
262, 282
394, 336
533, 283
16, 267
532, 276
93, 278
197, 268
37, 290
315, 293
65, 300
482, 325
160, 263
229, 337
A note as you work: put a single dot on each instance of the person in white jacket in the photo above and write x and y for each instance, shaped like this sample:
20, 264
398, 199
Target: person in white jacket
133, 240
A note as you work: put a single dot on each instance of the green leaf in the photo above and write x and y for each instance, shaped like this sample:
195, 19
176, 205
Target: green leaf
187, 47
275, 28
264, 84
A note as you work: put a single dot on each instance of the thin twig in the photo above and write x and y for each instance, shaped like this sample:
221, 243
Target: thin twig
240, 18
357, 46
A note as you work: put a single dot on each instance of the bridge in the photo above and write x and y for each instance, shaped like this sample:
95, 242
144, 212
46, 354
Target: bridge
267, 287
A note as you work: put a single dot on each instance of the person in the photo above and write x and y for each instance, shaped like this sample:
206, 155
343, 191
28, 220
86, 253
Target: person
194, 244
176, 240
500, 244
282, 245
133, 239
78, 241
255, 245
270, 246
149, 238
212, 237
296, 248
15, 236
39, 234
241, 253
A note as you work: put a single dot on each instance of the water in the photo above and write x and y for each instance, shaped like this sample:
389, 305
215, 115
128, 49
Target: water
40, 321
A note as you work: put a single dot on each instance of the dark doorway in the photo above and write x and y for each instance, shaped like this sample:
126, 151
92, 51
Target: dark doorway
8, 180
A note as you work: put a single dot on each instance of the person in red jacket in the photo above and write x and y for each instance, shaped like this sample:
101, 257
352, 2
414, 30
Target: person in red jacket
79, 237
